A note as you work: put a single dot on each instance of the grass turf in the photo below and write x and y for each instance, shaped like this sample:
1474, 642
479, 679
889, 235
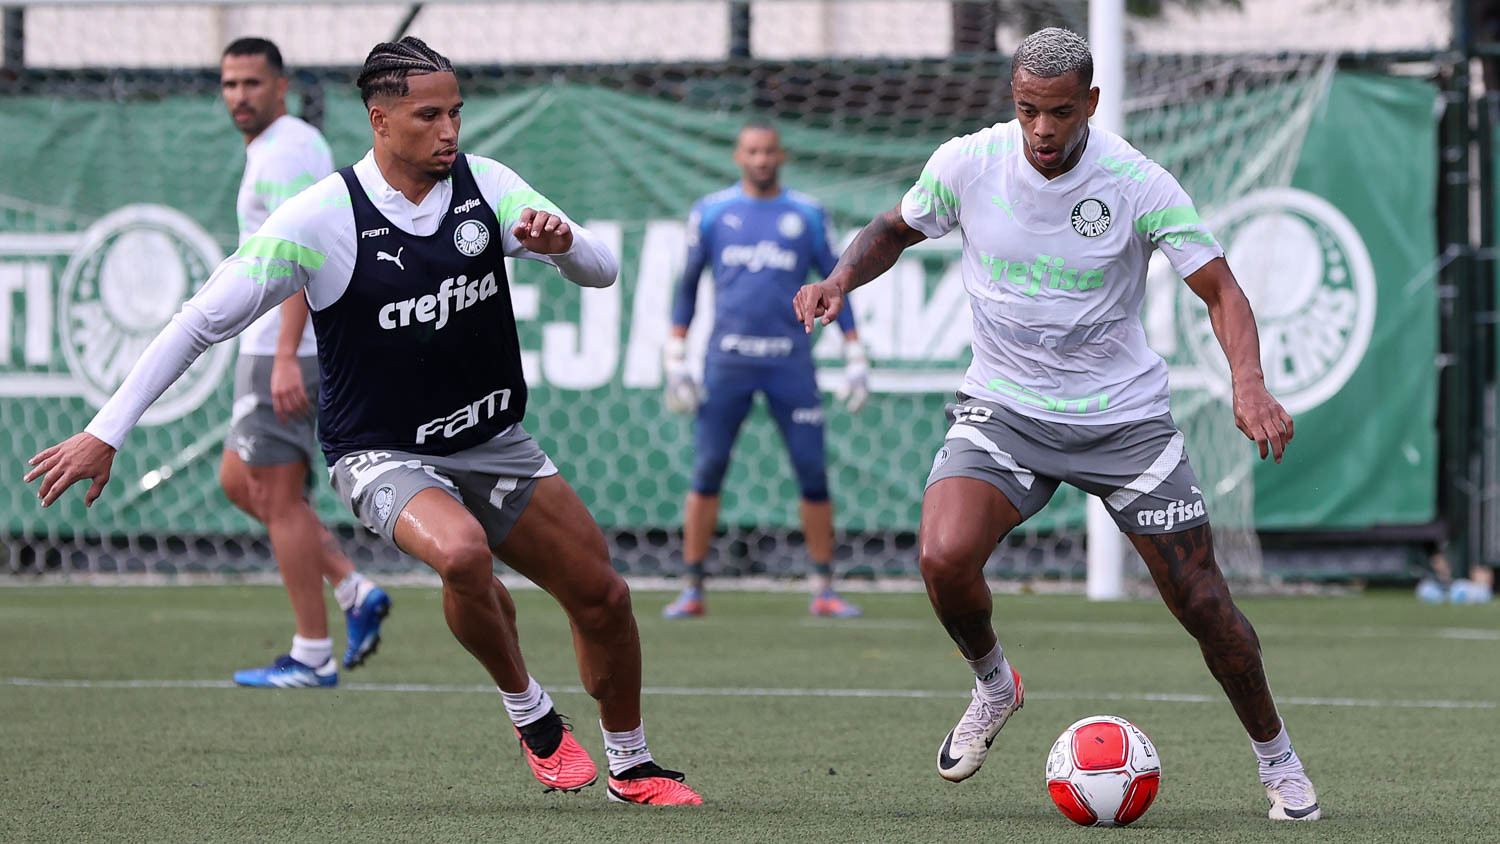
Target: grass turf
412, 748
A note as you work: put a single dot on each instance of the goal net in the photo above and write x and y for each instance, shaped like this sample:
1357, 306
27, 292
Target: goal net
118, 197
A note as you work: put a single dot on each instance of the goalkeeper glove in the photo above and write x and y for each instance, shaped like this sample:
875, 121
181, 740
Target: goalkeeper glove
683, 393
856, 389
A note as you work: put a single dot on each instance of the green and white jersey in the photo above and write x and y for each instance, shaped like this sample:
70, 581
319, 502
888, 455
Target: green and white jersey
311, 244
287, 158
1056, 270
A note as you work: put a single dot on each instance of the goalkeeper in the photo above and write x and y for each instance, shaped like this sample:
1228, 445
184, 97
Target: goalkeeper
761, 240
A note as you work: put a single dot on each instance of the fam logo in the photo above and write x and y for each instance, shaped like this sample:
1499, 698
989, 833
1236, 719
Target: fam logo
121, 280
1090, 218
471, 237
1311, 283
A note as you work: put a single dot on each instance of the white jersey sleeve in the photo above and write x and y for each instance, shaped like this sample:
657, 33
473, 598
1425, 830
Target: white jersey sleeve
931, 206
589, 263
287, 158
306, 243
1167, 218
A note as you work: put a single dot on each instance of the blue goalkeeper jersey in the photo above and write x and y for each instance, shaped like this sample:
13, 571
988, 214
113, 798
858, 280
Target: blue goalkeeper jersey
761, 251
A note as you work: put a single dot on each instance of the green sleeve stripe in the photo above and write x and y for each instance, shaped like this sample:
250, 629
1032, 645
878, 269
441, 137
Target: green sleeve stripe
1181, 215
275, 247
946, 199
509, 212
284, 190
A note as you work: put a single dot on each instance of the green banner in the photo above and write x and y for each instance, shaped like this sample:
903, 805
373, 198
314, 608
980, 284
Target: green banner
112, 212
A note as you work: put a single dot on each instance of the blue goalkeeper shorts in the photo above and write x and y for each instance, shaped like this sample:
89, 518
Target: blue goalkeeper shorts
791, 390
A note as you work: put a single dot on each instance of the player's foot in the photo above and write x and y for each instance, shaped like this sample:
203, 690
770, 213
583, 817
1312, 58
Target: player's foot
363, 623
651, 784
1292, 798
288, 673
556, 759
689, 604
829, 604
966, 745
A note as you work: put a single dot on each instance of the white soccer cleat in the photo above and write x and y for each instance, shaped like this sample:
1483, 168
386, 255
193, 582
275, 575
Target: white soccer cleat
1292, 798
966, 745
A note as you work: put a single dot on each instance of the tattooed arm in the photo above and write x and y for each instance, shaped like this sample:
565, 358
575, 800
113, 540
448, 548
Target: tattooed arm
874, 250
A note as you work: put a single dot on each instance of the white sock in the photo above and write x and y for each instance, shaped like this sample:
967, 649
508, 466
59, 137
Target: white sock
1277, 758
993, 678
312, 652
529, 706
820, 583
625, 750
351, 590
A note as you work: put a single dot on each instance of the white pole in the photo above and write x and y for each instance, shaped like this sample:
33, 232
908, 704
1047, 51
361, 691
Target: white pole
1106, 546
1107, 43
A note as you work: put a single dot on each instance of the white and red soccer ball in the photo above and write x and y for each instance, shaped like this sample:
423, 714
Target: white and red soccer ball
1103, 771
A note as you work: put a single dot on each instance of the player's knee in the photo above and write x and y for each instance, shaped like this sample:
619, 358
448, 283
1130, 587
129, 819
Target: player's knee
1203, 609
464, 563
708, 473
237, 491
605, 607
944, 566
272, 503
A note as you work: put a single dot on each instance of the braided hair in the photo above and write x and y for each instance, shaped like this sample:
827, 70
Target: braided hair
390, 63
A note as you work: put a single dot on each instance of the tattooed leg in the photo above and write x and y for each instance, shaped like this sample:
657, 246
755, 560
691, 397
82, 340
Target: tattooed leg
962, 519
1183, 566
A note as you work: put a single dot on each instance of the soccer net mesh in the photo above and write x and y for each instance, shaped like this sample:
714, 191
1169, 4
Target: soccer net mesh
118, 196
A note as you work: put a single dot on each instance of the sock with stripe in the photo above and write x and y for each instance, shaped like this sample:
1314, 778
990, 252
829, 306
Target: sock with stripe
625, 750
993, 678
1276, 756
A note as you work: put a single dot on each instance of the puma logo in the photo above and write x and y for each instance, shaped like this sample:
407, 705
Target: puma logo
394, 259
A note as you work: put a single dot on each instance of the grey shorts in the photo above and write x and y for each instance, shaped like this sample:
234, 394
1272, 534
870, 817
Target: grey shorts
255, 434
492, 480
1140, 468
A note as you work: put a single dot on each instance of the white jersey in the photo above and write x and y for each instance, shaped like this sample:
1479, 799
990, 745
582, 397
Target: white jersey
309, 243
1056, 270
282, 161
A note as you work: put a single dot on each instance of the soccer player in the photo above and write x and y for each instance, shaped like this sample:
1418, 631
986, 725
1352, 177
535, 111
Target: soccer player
761, 240
401, 259
265, 468
1058, 222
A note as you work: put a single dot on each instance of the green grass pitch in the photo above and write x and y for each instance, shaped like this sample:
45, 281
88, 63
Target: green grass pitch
113, 725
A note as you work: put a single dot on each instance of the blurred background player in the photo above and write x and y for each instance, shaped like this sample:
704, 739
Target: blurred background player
270, 448
1064, 388
762, 240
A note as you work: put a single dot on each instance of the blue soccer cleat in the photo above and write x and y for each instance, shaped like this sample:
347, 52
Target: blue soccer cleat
689, 604
288, 673
829, 604
364, 626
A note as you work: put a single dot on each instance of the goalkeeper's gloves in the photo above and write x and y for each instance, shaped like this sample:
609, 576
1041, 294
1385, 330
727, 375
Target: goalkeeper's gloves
856, 389
683, 393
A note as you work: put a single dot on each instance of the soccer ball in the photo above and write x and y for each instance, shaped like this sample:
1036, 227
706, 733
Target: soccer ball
1103, 771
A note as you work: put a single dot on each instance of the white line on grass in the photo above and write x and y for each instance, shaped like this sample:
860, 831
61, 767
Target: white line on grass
687, 691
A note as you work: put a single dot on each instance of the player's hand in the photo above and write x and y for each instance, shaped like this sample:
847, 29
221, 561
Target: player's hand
70, 461
543, 233
683, 393
1262, 418
288, 394
856, 389
812, 301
